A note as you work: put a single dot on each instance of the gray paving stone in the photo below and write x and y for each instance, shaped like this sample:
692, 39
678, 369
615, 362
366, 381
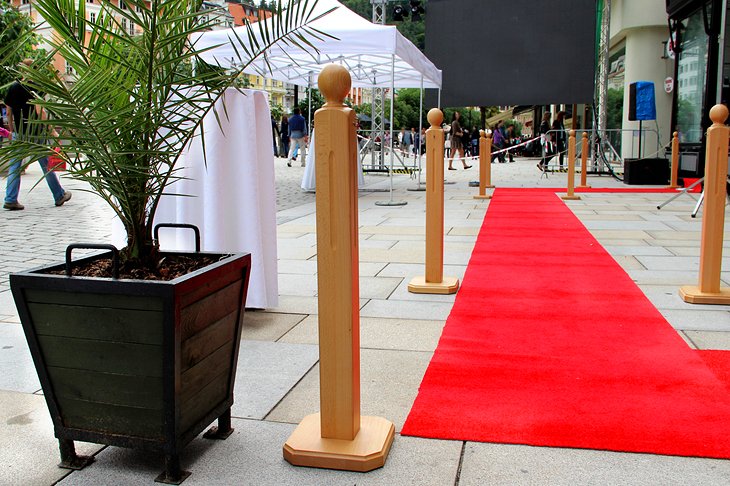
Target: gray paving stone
253, 456
265, 373
28, 448
625, 225
637, 250
393, 334
389, 383
710, 339
667, 298
18, 373
496, 464
268, 326
698, 319
403, 309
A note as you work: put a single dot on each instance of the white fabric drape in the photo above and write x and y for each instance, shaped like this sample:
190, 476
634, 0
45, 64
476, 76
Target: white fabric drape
233, 198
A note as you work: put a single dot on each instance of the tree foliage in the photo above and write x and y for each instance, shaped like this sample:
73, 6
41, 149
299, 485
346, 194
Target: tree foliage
132, 110
414, 31
16, 29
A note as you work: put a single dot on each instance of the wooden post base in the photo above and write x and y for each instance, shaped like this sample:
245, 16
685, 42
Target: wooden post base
583, 187
448, 285
486, 196
367, 451
672, 186
693, 295
570, 198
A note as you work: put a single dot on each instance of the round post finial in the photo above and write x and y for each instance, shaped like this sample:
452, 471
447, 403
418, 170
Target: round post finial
482, 134
718, 114
334, 82
572, 133
585, 135
435, 117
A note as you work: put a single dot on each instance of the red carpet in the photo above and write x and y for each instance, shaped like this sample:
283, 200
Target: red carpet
550, 343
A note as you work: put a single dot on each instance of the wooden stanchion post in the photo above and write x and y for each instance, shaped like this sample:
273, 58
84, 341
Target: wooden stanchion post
675, 162
434, 282
485, 166
571, 169
584, 162
338, 437
708, 290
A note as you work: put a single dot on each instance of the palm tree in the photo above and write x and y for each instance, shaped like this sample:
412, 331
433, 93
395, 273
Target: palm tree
133, 106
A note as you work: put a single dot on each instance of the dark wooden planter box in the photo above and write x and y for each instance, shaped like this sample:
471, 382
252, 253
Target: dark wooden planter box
132, 363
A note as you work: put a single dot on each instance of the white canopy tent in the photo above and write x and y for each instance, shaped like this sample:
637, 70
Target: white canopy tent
376, 55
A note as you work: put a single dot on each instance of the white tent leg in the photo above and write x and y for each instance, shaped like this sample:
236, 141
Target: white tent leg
391, 202
419, 184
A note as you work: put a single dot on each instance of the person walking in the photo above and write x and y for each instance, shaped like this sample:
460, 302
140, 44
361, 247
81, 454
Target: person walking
499, 139
558, 132
284, 136
457, 149
407, 142
298, 135
545, 142
19, 111
274, 134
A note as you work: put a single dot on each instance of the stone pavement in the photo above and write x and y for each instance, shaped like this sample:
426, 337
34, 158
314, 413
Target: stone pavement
277, 381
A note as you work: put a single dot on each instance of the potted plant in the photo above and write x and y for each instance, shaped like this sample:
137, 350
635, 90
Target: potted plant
137, 347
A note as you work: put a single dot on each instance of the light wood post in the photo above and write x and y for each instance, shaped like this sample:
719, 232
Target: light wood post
713, 218
571, 169
485, 166
675, 162
434, 282
338, 437
584, 162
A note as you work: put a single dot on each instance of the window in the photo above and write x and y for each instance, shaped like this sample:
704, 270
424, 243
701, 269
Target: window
139, 8
24, 2
92, 17
122, 5
124, 25
89, 1
69, 69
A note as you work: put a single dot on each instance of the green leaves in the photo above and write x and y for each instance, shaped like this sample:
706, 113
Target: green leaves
132, 107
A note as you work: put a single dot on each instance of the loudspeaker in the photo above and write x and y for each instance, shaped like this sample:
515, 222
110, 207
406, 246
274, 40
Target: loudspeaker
646, 171
642, 104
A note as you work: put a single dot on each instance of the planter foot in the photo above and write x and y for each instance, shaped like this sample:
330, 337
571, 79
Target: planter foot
172, 473
69, 458
223, 430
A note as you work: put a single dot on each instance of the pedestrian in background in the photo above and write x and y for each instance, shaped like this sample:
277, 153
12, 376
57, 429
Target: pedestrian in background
545, 142
19, 112
559, 136
457, 149
498, 142
274, 134
297, 134
284, 136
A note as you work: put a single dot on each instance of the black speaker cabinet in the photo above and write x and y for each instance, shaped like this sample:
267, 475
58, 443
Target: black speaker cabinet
646, 171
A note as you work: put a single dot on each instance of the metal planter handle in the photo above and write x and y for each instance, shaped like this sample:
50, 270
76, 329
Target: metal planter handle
94, 246
156, 231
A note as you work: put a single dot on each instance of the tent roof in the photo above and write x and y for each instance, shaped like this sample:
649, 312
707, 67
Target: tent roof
375, 55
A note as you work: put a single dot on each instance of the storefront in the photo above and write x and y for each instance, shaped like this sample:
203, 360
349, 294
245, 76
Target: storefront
701, 73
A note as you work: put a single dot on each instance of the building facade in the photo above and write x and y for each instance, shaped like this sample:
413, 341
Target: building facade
638, 38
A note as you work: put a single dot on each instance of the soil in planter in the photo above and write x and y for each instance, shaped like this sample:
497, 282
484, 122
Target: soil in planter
169, 267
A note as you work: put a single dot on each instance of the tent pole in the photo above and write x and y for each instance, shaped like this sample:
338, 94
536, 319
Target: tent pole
390, 202
439, 101
419, 184
309, 102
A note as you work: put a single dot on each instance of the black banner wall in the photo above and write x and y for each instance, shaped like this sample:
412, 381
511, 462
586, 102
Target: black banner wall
526, 52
